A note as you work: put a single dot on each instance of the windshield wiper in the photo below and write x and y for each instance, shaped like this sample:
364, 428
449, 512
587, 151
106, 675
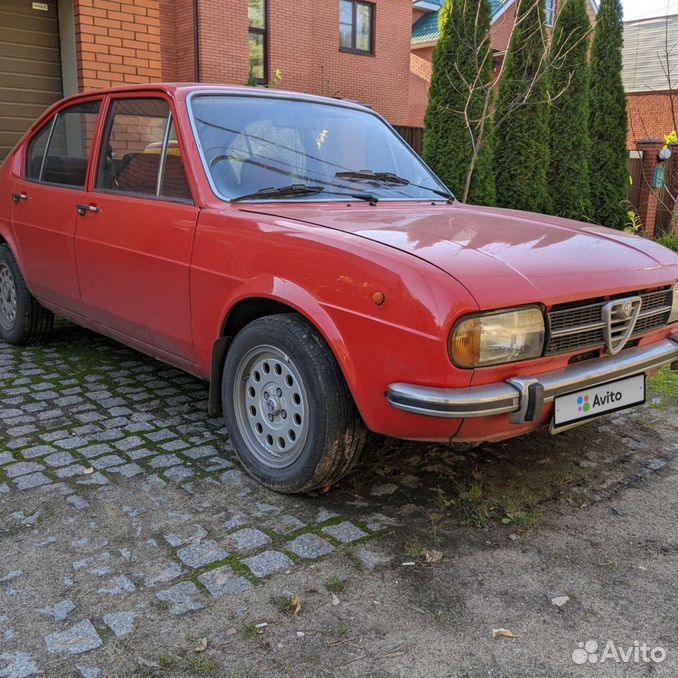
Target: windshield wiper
283, 191
389, 178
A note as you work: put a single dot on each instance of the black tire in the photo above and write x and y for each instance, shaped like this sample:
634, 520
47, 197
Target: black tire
334, 434
28, 323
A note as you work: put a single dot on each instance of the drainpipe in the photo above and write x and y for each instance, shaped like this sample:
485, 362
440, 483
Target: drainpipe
196, 40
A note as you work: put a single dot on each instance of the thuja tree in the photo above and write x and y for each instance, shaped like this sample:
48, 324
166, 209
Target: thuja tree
456, 123
607, 127
521, 120
569, 117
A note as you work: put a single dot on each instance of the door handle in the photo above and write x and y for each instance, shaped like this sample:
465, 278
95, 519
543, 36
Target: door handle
16, 197
83, 209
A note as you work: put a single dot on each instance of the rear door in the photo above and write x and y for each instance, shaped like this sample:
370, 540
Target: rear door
134, 240
46, 198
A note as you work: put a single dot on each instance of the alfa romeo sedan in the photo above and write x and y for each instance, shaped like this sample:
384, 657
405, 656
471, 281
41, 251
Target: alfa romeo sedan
296, 253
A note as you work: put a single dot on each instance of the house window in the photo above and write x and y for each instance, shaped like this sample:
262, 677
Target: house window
256, 12
550, 12
356, 26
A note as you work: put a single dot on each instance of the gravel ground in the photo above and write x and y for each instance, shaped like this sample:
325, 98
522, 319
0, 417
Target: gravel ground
131, 544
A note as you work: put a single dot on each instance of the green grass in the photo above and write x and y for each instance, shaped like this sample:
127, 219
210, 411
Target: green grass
335, 585
664, 387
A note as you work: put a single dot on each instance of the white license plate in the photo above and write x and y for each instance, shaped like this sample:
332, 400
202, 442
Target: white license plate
590, 402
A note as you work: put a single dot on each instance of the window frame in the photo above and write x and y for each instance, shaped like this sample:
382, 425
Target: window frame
550, 16
261, 82
51, 122
354, 28
105, 130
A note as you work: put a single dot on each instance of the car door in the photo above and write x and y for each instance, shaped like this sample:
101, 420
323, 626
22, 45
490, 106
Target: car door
45, 202
134, 235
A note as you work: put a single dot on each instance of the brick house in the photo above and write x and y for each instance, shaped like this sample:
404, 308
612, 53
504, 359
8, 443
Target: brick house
650, 75
357, 49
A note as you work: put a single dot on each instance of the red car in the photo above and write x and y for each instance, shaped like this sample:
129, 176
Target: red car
295, 252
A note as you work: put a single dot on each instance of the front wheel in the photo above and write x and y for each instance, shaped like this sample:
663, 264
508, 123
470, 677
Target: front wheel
22, 320
288, 411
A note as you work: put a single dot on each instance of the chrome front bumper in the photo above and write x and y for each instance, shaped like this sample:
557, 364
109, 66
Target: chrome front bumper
524, 397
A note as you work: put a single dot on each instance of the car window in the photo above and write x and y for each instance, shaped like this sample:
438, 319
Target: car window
36, 151
70, 142
250, 143
132, 151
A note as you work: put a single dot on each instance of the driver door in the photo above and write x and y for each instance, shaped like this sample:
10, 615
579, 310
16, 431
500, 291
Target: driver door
134, 235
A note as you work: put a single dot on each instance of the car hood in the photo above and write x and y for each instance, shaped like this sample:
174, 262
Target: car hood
518, 257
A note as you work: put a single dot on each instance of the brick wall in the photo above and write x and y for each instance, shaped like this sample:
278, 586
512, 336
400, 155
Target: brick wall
650, 116
118, 42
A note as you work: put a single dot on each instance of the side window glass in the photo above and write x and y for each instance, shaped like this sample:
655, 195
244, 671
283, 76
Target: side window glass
70, 144
36, 151
132, 144
174, 182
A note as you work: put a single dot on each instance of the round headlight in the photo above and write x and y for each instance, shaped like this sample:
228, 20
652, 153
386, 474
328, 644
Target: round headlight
497, 338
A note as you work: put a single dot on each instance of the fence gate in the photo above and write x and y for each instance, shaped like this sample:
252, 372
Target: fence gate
665, 200
635, 168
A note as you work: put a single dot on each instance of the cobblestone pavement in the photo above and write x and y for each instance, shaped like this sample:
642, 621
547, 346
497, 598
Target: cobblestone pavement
122, 507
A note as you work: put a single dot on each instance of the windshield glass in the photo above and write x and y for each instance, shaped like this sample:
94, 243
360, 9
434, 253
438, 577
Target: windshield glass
252, 143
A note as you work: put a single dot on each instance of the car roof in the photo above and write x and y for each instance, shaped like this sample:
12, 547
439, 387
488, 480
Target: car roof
185, 88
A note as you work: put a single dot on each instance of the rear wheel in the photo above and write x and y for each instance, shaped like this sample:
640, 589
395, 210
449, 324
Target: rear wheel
22, 320
289, 413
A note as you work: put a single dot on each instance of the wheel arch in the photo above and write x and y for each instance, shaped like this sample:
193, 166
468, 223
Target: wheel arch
249, 308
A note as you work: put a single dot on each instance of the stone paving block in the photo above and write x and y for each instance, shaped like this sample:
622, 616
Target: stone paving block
186, 534
164, 575
59, 459
164, 460
182, 598
76, 639
6, 458
60, 610
174, 445
248, 538
201, 554
107, 461
267, 563
94, 479
285, 524
37, 451
88, 671
345, 532
224, 581
70, 471
121, 623
18, 665
92, 451
71, 443
77, 502
117, 585
127, 470
32, 480
178, 474
22, 468
200, 452
138, 453
128, 443
309, 546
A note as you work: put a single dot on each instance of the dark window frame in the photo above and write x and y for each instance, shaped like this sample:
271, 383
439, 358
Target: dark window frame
107, 128
255, 30
49, 126
354, 28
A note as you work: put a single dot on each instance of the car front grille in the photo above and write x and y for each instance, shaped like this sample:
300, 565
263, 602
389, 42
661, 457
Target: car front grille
580, 326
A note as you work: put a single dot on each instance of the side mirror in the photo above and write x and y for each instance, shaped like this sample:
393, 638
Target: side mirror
663, 155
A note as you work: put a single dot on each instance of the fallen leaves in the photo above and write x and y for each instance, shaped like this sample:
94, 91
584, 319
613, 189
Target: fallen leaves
201, 645
431, 556
502, 633
295, 605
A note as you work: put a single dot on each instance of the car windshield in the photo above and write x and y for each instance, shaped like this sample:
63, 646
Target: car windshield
255, 143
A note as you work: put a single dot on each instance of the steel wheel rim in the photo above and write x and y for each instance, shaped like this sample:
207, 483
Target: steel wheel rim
7, 298
271, 406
